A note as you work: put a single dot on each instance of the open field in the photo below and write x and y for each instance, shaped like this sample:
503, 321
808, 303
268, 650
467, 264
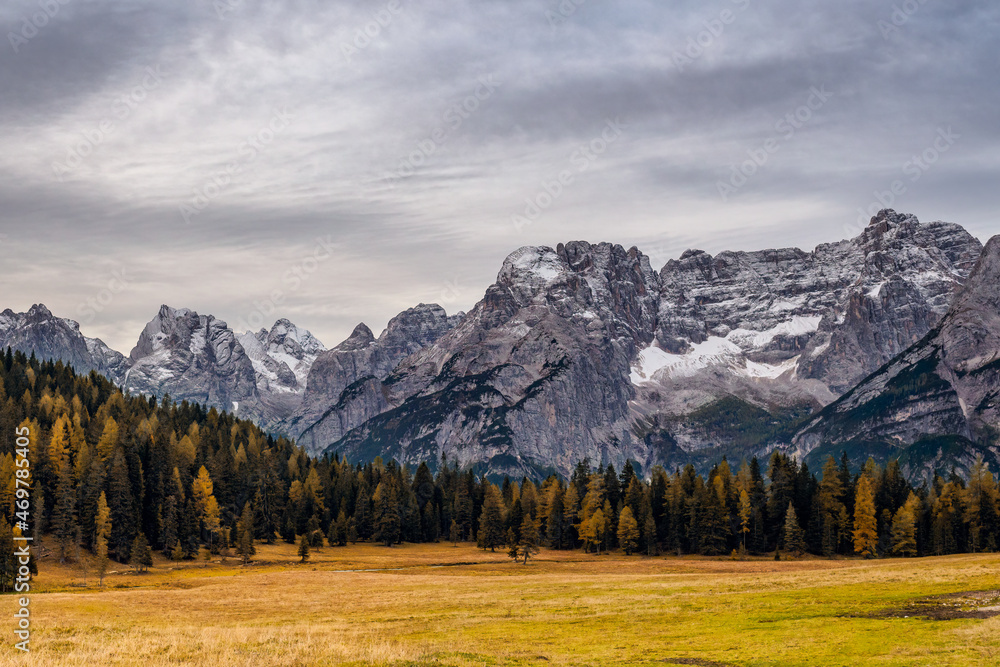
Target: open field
461, 606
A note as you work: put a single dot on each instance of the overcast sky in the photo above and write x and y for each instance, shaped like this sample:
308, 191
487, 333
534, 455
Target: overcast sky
353, 159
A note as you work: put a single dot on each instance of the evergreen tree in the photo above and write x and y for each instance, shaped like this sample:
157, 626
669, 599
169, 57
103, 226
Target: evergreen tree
833, 512
141, 556
529, 538
303, 549
169, 531
102, 528
904, 528
513, 547
8, 562
746, 513
339, 530
245, 530
64, 512
652, 546
491, 522
865, 527
982, 504
387, 524
628, 531
793, 532
120, 500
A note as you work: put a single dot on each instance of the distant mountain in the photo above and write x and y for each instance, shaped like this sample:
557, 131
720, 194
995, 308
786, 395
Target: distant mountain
583, 350
344, 385
196, 358
937, 404
51, 337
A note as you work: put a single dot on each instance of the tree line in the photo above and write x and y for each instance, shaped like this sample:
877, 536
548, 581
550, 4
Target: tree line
122, 476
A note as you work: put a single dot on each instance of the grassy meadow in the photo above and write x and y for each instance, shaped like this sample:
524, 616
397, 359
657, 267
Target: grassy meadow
446, 605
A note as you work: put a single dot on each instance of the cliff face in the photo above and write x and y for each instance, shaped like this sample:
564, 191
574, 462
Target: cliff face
945, 386
583, 350
534, 377
38, 331
344, 384
193, 357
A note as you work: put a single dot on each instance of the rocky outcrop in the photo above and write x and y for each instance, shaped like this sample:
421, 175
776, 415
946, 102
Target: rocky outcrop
535, 377
344, 384
195, 358
947, 385
783, 326
38, 331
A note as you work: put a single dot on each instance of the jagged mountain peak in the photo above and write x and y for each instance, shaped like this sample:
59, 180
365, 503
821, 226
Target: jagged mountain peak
941, 390
359, 339
40, 332
293, 339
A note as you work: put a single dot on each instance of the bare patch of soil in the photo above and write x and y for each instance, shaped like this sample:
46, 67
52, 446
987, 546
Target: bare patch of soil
969, 604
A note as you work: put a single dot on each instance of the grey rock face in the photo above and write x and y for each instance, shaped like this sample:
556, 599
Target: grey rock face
576, 351
56, 338
343, 389
193, 357
535, 377
786, 323
584, 351
947, 384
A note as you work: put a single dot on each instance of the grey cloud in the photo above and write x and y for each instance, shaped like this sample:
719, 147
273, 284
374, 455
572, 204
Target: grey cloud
441, 232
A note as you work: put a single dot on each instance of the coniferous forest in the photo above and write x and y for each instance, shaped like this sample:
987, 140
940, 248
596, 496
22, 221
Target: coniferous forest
123, 476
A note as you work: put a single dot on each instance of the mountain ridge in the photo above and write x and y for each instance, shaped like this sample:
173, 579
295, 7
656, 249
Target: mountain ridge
582, 350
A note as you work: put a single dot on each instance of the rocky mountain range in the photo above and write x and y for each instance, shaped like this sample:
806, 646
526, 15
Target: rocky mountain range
51, 337
583, 350
939, 399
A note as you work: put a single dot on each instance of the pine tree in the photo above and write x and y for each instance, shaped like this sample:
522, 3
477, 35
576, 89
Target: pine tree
746, 512
592, 531
793, 533
339, 530
102, 528
513, 547
865, 526
982, 504
491, 521
833, 512
571, 508
141, 556
313, 532
64, 512
211, 518
387, 522
303, 549
245, 533
120, 500
904, 528
652, 545
529, 538
108, 443
169, 529
628, 531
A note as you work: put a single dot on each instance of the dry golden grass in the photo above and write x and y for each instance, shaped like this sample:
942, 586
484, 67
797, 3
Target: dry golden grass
460, 606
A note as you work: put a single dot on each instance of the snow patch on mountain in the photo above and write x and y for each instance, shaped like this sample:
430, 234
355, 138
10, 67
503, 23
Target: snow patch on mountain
729, 352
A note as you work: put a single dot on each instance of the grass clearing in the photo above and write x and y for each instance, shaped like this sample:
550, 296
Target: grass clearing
460, 606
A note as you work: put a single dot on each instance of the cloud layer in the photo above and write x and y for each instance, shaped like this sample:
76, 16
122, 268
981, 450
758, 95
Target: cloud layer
333, 163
